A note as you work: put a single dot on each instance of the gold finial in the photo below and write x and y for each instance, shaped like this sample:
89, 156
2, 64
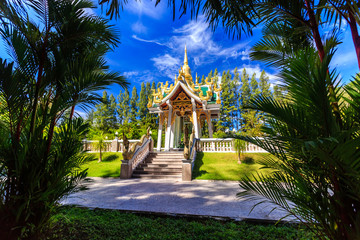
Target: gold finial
185, 57
186, 69
197, 79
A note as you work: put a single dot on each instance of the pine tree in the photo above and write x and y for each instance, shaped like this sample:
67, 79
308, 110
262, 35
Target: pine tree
227, 103
153, 85
216, 75
142, 104
202, 80
236, 86
264, 84
123, 107
255, 91
245, 94
133, 105
112, 112
210, 75
277, 92
105, 114
120, 113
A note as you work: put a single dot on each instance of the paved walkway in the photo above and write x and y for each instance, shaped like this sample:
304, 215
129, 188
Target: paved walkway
199, 197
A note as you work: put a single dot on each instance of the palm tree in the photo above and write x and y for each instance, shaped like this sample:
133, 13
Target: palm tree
317, 172
57, 63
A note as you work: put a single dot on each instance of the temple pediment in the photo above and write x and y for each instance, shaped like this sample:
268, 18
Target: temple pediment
206, 95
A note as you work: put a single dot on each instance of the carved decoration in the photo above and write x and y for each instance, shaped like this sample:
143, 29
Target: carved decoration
128, 153
170, 89
194, 89
149, 105
158, 95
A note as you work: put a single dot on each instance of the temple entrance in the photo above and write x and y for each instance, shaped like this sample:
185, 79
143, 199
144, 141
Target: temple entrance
184, 103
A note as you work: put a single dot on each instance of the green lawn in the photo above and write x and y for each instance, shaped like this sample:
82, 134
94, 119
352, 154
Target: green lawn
210, 166
109, 167
224, 166
71, 223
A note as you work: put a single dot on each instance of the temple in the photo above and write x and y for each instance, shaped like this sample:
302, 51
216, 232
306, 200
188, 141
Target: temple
184, 102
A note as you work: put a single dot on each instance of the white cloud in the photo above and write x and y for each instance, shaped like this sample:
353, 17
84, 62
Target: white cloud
343, 59
199, 41
148, 41
167, 64
251, 69
131, 74
146, 8
138, 27
140, 76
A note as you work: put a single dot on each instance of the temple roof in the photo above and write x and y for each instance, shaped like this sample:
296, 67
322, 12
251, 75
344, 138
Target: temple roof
206, 93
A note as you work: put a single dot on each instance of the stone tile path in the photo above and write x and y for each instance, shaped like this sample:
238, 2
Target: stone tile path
199, 198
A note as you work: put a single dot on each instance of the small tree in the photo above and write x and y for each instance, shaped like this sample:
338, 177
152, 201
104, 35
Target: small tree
100, 144
240, 147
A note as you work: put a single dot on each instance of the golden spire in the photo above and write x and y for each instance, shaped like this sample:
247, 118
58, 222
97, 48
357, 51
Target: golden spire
185, 57
186, 68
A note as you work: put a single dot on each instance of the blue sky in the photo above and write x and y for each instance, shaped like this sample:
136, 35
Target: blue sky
152, 47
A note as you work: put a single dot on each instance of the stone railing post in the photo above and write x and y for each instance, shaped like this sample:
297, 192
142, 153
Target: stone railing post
114, 145
126, 169
186, 170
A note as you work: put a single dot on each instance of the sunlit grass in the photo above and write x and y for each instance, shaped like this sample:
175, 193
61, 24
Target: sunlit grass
224, 166
109, 167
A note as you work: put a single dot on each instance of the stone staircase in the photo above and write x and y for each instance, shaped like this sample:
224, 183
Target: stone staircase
163, 165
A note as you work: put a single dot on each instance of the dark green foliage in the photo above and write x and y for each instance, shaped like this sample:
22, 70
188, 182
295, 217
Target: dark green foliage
56, 66
123, 108
105, 114
143, 100
319, 159
79, 223
134, 105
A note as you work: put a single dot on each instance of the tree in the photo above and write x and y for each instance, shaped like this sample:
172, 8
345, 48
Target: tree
133, 105
264, 84
105, 114
100, 144
142, 104
318, 161
39, 154
227, 103
124, 107
255, 91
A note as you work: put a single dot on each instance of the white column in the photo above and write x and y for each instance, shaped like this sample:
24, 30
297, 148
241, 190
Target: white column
161, 123
168, 128
195, 122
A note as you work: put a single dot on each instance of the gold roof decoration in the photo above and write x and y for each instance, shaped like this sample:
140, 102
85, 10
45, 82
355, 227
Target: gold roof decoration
204, 91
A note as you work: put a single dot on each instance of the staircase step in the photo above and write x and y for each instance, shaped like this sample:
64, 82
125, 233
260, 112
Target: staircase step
167, 157
157, 176
158, 169
156, 173
163, 162
160, 165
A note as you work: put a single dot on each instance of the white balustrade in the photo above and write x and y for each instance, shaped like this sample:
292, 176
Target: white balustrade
110, 145
225, 145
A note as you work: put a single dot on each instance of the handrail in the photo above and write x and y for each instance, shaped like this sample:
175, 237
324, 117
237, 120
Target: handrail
136, 155
136, 160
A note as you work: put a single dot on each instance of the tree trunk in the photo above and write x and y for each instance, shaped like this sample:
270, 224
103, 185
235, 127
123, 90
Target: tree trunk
355, 36
320, 47
100, 156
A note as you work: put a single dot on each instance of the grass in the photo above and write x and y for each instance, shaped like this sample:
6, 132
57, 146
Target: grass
72, 223
109, 167
224, 166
